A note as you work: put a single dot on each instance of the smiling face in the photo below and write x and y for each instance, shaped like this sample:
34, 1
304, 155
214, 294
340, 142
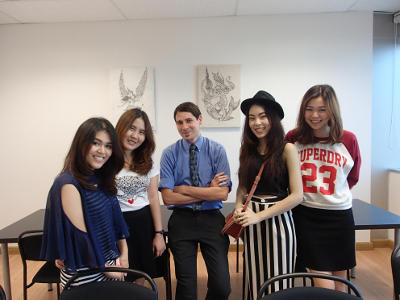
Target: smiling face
317, 116
134, 136
188, 126
100, 150
258, 121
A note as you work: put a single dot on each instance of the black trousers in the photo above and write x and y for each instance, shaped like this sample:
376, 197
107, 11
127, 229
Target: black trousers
188, 229
140, 241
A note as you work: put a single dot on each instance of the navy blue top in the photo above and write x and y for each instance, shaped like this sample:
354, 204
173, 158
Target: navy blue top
104, 223
175, 170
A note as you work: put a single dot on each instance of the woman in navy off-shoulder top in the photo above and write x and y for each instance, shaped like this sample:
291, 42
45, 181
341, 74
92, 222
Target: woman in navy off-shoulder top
84, 227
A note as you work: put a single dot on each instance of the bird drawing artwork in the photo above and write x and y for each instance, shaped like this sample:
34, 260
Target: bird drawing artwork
129, 99
215, 95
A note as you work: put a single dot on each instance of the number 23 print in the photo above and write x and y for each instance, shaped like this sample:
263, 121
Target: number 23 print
329, 177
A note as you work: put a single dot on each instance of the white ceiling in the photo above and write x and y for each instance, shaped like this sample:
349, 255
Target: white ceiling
53, 11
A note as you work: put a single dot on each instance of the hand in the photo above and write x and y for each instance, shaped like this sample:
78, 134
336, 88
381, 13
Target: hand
219, 180
238, 210
59, 264
115, 275
247, 218
123, 261
158, 245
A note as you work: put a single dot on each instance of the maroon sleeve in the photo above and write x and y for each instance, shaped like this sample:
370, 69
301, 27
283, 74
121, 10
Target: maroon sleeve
290, 137
350, 141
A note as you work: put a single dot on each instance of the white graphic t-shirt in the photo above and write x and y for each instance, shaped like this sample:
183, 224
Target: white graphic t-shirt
132, 188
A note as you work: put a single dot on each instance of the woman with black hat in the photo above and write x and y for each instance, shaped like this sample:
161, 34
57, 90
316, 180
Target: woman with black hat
269, 236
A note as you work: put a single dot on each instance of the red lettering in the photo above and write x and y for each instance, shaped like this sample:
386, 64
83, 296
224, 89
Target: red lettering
337, 159
316, 154
322, 155
309, 153
302, 155
330, 157
344, 160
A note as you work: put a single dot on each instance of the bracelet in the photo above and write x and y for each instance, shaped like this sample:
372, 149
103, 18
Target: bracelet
159, 231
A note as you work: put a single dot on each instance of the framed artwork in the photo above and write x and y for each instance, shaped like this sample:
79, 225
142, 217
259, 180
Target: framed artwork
133, 88
218, 95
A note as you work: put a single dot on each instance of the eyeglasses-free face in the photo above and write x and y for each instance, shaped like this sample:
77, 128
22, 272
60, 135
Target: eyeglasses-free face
100, 150
188, 126
317, 116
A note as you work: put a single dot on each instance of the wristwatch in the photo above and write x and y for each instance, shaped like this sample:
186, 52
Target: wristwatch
159, 231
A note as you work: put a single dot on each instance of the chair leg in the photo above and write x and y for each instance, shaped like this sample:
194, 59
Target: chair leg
168, 284
58, 291
25, 283
349, 279
168, 289
237, 256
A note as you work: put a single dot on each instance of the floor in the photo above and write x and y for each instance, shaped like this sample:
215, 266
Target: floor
373, 277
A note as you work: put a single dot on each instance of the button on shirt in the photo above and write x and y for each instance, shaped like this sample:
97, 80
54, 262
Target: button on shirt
175, 170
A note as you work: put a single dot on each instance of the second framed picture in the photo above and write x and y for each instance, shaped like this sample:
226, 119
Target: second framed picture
218, 95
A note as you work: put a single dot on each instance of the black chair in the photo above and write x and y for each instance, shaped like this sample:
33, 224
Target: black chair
300, 268
106, 290
396, 272
30, 243
306, 292
2, 294
163, 269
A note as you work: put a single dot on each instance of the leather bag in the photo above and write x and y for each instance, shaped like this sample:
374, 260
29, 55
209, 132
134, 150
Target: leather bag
231, 227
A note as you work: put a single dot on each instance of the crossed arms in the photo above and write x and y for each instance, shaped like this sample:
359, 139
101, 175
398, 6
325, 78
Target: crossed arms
185, 194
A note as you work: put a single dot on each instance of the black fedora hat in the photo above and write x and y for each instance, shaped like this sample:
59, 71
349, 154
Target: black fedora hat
264, 99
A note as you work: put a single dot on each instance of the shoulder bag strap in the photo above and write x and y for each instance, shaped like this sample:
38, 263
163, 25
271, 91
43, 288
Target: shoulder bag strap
253, 188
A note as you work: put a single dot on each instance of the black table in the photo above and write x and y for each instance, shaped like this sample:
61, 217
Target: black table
366, 216
10, 234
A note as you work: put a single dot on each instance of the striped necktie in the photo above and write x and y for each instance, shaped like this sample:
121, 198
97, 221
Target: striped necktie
194, 171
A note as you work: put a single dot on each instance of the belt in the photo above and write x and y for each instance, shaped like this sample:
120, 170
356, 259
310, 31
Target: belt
197, 211
271, 199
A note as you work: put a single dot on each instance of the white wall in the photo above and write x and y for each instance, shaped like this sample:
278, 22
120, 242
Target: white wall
55, 76
385, 147
393, 195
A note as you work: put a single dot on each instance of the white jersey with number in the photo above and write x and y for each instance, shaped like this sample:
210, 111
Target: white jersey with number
329, 171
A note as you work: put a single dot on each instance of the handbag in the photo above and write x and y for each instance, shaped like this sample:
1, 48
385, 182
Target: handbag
231, 227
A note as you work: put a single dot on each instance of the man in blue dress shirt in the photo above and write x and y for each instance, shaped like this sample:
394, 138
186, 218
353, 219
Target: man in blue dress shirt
196, 200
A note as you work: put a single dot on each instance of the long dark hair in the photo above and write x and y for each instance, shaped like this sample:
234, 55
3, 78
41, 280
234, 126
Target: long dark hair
75, 161
303, 132
141, 156
275, 166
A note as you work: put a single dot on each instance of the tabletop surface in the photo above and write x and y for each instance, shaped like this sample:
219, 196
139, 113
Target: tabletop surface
34, 221
366, 216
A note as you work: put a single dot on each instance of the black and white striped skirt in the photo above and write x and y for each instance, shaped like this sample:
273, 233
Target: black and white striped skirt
269, 250
65, 276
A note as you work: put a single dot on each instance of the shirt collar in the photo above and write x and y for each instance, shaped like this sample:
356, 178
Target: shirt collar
198, 143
